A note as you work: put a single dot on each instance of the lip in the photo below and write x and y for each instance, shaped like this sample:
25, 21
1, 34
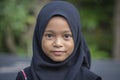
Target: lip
58, 53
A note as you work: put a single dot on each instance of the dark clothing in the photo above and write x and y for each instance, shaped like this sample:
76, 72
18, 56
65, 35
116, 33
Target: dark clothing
20, 75
77, 65
85, 72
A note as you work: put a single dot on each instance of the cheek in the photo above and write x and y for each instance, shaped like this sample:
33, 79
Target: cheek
70, 46
44, 45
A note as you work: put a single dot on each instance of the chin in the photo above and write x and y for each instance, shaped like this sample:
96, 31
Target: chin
59, 60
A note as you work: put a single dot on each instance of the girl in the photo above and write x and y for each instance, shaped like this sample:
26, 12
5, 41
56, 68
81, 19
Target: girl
59, 49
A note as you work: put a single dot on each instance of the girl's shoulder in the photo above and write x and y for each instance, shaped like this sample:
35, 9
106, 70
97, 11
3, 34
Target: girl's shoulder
89, 75
24, 74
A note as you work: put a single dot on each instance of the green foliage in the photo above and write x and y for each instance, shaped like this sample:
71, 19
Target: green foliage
96, 18
14, 15
98, 54
89, 18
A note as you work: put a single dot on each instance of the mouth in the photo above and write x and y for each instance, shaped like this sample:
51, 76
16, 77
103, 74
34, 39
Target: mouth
58, 53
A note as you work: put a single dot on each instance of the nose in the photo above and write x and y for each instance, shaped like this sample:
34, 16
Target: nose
57, 42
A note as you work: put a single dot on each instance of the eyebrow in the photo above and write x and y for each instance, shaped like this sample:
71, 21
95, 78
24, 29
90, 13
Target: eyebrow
66, 31
49, 31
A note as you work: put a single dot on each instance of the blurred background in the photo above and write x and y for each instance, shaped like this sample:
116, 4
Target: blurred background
100, 25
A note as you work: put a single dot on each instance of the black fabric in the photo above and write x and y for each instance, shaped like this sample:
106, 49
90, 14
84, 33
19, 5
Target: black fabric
27, 71
74, 67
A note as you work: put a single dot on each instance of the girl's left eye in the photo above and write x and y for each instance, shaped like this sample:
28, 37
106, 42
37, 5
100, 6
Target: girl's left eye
67, 36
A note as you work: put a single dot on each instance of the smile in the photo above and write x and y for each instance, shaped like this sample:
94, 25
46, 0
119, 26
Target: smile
58, 53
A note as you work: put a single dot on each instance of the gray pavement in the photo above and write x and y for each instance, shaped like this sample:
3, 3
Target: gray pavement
10, 65
107, 69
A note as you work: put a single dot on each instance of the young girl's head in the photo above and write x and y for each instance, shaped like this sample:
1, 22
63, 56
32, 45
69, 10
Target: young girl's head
57, 40
58, 37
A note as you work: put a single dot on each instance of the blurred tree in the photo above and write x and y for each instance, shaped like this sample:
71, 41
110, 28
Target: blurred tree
13, 20
17, 18
116, 49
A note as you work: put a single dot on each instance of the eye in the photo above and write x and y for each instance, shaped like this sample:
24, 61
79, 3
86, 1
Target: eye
67, 36
49, 36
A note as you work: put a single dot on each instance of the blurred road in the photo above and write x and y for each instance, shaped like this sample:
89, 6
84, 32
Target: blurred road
107, 69
10, 65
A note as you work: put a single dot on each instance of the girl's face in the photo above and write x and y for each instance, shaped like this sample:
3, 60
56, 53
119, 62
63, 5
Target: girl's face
57, 40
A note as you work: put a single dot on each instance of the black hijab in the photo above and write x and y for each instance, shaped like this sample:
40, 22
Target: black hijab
74, 67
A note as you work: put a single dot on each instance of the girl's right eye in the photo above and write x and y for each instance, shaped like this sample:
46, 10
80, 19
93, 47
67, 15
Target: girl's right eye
49, 36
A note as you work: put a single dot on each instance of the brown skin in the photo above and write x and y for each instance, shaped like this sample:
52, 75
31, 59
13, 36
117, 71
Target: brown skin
57, 40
